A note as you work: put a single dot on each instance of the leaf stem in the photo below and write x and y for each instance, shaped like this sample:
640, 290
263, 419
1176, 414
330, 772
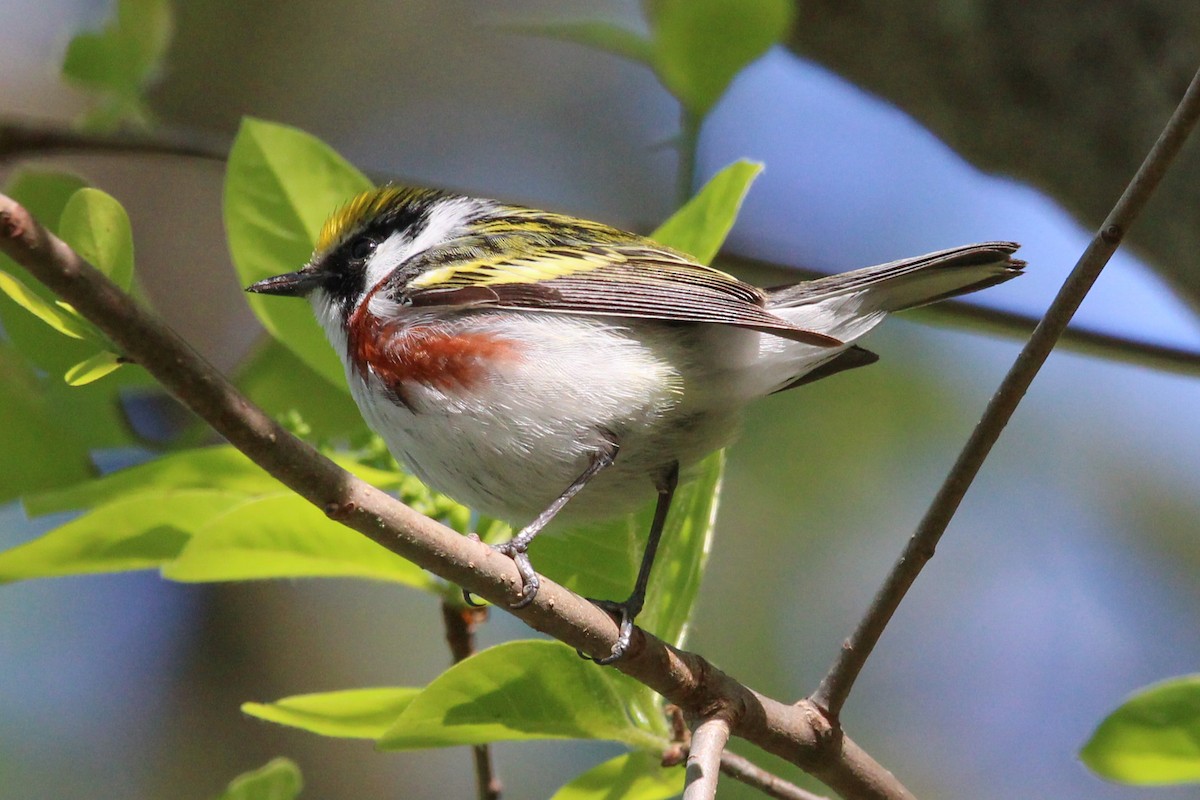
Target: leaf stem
688, 145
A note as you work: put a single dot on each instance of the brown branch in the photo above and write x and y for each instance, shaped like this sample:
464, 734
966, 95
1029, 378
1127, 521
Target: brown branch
460, 622
835, 687
704, 758
798, 733
29, 138
34, 139
744, 770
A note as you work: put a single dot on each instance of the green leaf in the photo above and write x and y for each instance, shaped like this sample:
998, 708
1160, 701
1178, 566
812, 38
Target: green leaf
603, 36
219, 468
44, 194
277, 381
632, 776
700, 227
279, 779
50, 427
97, 228
60, 318
700, 45
350, 713
1152, 738
139, 531
36, 452
285, 536
92, 369
280, 185
119, 61
241, 524
516, 691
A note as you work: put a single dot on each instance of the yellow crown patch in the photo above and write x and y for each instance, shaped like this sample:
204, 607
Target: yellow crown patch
364, 206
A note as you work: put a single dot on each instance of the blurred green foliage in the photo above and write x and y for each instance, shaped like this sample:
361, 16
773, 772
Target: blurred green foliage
118, 63
278, 780
1151, 739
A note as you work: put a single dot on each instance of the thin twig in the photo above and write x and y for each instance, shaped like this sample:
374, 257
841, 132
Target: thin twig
704, 758
29, 138
743, 769
835, 687
461, 622
798, 733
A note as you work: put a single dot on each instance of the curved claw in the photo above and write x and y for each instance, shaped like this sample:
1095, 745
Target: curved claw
624, 615
530, 581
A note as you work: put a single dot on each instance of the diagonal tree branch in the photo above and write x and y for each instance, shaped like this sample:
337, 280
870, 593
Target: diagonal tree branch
797, 733
835, 687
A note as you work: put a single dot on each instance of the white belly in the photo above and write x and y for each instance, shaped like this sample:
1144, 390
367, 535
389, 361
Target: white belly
509, 446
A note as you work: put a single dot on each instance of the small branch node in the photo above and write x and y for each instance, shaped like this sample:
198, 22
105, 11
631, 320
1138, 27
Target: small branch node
674, 755
339, 511
824, 723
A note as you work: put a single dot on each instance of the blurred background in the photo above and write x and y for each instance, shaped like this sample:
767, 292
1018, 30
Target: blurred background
1067, 580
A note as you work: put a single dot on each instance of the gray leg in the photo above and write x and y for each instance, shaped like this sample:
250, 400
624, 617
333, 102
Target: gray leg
627, 611
516, 548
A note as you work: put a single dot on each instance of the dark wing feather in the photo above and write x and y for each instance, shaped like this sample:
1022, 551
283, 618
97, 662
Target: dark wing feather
637, 281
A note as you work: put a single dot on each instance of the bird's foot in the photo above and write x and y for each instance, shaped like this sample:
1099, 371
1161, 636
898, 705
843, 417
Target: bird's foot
530, 581
624, 613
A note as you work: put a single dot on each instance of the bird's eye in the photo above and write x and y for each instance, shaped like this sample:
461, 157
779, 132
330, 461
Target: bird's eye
362, 247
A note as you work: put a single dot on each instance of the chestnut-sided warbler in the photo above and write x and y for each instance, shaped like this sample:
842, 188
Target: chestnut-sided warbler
535, 366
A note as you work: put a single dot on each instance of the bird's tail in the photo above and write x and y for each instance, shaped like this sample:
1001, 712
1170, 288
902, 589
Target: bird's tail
908, 283
849, 305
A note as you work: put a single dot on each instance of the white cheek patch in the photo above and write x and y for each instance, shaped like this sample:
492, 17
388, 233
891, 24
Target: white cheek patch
389, 254
446, 221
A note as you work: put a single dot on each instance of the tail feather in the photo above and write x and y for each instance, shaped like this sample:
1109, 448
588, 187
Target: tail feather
851, 358
910, 282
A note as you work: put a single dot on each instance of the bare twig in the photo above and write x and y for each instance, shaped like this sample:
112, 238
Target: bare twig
704, 758
461, 622
26, 138
744, 770
19, 139
797, 733
833, 690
